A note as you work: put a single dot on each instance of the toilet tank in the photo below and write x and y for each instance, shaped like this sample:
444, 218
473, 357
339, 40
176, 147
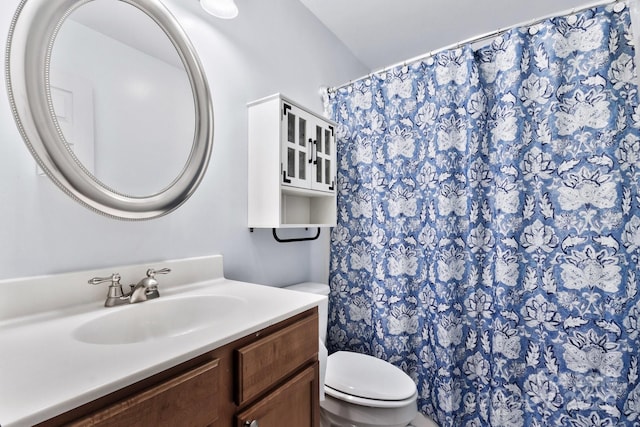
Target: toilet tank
323, 307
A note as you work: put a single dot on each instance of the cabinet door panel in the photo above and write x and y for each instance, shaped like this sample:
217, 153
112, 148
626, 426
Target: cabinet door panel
323, 157
272, 358
189, 399
294, 404
295, 146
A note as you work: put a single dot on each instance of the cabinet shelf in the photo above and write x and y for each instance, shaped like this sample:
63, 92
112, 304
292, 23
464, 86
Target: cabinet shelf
292, 166
304, 192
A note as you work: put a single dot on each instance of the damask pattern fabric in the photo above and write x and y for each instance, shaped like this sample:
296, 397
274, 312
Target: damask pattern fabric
489, 226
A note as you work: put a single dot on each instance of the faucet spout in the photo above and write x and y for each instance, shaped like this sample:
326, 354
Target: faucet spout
147, 288
139, 293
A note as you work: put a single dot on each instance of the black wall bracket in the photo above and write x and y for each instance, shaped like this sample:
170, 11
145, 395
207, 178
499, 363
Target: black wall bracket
299, 239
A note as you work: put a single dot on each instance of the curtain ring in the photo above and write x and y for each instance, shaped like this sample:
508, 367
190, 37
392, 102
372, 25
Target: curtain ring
619, 7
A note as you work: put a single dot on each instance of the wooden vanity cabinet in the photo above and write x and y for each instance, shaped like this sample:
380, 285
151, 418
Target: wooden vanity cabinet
270, 377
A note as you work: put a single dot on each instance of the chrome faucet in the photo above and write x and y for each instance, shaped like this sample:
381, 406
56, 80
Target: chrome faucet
145, 289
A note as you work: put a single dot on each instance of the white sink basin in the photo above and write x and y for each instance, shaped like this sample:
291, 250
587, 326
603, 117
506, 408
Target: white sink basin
159, 318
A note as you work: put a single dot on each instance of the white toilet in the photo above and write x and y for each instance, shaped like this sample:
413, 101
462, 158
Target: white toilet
361, 390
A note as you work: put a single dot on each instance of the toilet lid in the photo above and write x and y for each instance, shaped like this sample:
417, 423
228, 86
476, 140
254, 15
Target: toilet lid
366, 376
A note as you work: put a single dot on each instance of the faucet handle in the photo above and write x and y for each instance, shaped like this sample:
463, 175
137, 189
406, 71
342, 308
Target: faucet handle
152, 272
115, 295
114, 279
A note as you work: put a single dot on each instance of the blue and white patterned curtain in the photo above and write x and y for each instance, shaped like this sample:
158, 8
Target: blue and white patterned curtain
488, 238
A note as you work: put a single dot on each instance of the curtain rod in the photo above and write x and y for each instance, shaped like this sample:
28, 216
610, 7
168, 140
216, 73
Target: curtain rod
476, 39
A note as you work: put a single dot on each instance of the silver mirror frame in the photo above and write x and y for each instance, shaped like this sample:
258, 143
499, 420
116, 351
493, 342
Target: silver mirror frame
31, 38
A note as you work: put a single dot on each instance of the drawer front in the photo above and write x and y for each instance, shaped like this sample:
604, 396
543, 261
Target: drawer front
264, 363
294, 404
186, 400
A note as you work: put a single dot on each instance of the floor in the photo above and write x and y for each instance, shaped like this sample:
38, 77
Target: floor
422, 421
419, 421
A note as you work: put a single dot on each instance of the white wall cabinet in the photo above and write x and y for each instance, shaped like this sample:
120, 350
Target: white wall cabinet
292, 166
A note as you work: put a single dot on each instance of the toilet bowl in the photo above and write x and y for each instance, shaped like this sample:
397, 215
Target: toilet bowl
360, 390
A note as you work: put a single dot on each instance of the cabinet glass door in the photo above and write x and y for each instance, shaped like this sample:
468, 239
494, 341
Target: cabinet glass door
323, 164
295, 147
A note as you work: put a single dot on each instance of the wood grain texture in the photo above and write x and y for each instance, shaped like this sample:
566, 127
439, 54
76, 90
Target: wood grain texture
274, 357
290, 405
187, 400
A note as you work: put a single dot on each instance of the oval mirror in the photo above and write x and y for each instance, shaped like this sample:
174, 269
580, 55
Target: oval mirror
118, 116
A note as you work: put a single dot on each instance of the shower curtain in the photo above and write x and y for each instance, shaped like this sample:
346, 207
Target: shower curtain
488, 234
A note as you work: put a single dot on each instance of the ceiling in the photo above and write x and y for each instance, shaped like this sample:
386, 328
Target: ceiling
381, 33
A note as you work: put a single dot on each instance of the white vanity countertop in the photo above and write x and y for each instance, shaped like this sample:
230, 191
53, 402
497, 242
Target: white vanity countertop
45, 371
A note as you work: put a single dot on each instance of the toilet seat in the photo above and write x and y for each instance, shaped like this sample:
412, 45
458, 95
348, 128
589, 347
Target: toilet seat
365, 380
373, 403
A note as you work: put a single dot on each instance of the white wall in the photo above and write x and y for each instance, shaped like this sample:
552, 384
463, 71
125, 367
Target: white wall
273, 46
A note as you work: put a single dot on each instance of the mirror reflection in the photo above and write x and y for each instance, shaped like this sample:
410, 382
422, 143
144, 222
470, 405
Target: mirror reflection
122, 97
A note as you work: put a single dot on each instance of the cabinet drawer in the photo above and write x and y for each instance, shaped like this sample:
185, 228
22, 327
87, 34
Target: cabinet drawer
186, 400
294, 404
271, 359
